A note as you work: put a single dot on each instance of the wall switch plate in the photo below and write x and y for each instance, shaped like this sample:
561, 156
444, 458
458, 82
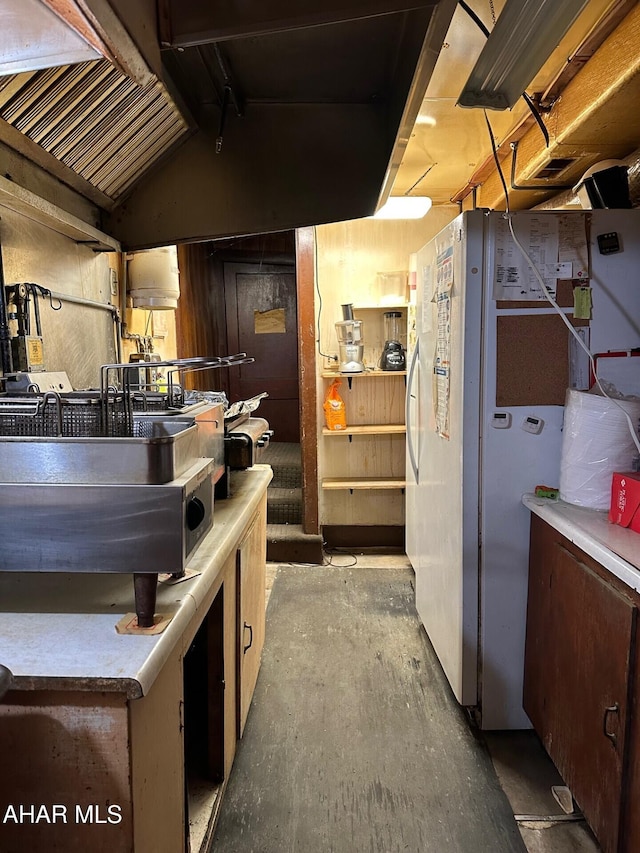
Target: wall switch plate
501, 420
532, 424
113, 282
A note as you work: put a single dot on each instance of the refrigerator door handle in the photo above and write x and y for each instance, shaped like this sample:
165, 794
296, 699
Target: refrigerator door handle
410, 449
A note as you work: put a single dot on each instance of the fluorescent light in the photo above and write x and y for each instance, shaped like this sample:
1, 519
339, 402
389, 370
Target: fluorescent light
404, 207
523, 38
426, 119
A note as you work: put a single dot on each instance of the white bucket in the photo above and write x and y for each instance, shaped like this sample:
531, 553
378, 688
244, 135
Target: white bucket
154, 281
596, 442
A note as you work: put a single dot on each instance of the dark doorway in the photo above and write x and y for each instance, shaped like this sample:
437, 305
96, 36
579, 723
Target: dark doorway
239, 295
261, 310
203, 327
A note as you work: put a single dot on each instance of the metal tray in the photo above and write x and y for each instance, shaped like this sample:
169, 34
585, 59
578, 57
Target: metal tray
159, 451
75, 413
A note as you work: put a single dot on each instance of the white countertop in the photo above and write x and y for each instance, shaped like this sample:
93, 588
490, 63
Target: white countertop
57, 631
614, 547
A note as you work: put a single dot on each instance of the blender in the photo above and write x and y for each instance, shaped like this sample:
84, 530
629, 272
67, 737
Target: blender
393, 356
350, 342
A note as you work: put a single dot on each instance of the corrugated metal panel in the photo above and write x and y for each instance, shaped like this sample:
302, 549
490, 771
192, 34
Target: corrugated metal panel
93, 119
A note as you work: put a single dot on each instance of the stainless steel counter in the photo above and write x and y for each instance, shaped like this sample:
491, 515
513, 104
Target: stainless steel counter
57, 631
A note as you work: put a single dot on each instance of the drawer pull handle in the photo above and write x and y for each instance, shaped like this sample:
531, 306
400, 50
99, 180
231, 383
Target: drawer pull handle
612, 709
246, 648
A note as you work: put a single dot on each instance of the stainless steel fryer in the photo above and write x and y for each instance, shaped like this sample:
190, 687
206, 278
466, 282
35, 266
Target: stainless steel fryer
104, 488
106, 527
159, 451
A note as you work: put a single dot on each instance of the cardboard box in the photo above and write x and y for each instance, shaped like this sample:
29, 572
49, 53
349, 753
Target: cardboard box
625, 500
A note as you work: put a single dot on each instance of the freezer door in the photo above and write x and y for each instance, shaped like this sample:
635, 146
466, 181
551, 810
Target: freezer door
449, 321
412, 477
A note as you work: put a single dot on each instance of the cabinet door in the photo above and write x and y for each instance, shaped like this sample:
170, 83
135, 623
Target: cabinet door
581, 666
251, 557
539, 642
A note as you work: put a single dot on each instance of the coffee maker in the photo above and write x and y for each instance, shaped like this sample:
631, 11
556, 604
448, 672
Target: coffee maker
393, 355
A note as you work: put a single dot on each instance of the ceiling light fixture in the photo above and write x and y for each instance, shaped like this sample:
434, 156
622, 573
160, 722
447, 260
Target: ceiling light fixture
404, 207
523, 38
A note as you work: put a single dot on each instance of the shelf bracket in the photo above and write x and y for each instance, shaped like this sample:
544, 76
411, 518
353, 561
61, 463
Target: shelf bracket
350, 438
349, 381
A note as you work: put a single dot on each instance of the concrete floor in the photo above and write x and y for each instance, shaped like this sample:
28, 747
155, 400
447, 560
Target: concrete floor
353, 742
524, 770
527, 775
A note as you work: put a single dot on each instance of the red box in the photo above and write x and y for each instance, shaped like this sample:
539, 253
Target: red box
625, 501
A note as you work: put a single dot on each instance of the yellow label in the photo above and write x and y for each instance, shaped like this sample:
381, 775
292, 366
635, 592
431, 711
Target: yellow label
35, 351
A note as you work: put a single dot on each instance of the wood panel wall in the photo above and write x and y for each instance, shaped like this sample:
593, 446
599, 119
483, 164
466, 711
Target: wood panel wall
305, 271
201, 321
201, 318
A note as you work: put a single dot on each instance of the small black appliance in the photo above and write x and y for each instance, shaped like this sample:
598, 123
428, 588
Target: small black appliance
393, 355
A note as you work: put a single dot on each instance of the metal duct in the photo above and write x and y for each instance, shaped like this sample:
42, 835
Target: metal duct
93, 119
569, 198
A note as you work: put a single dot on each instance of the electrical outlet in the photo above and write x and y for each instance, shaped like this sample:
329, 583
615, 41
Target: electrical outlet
113, 282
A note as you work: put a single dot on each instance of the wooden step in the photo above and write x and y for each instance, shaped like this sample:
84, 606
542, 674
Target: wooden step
286, 543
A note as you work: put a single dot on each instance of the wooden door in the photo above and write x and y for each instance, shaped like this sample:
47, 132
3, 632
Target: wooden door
577, 680
251, 613
262, 321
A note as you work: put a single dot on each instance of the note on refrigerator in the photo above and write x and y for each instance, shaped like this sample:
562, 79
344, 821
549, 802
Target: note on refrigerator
514, 278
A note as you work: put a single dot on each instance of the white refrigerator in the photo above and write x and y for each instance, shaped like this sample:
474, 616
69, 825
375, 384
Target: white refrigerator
470, 454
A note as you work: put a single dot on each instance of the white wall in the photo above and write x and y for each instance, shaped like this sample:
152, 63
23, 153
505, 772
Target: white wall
77, 339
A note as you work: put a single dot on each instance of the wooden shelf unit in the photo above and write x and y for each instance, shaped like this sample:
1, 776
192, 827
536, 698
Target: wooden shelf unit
379, 451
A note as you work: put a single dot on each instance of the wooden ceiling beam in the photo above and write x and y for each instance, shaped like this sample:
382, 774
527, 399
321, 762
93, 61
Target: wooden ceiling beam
595, 118
185, 23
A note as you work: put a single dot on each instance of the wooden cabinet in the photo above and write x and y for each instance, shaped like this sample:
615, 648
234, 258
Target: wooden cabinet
580, 688
133, 772
251, 556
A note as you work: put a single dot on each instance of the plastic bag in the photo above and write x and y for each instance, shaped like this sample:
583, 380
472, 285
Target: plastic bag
334, 408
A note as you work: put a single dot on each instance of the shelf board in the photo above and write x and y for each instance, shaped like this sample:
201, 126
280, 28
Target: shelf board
367, 429
377, 307
344, 483
334, 374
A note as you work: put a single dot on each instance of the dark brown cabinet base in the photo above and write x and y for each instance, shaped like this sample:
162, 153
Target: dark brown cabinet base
581, 682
